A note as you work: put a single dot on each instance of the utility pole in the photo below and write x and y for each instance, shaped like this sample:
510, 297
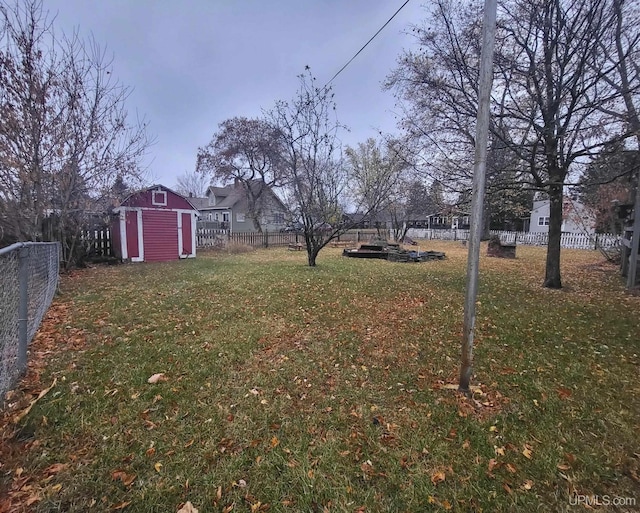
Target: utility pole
632, 273
477, 200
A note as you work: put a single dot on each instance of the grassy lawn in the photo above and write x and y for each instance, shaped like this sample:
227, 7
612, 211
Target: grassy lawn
296, 389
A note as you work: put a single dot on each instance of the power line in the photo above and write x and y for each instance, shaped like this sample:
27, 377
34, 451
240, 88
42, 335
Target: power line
367, 43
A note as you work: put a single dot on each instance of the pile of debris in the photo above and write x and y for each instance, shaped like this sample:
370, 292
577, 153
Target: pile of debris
391, 251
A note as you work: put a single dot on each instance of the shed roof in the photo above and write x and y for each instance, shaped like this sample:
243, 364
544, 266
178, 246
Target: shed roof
131, 198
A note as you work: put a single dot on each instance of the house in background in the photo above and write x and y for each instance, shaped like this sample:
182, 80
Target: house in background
576, 218
449, 219
154, 224
227, 208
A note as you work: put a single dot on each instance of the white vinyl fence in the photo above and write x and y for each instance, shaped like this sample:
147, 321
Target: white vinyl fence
568, 240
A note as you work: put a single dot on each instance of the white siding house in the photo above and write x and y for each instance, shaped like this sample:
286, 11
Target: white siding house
576, 218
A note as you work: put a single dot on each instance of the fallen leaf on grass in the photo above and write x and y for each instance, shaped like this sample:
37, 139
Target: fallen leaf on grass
454, 386
158, 466
55, 468
157, 378
438, 477
121, 505
526, 452
528, 484
258, 506
120, 475
26, 411
188, 508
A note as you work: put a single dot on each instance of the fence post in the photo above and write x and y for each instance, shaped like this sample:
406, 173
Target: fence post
266, 239
23, 307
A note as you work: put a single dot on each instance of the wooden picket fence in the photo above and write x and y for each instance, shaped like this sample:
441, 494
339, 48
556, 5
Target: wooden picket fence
97, 242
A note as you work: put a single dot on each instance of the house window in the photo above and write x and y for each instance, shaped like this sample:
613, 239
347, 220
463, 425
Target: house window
210, 217
465, 220
240, 217
159, 198
225, 217
217, 217
278, 218
543, 221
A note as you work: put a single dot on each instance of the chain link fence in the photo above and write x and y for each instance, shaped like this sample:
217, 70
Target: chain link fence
29, 278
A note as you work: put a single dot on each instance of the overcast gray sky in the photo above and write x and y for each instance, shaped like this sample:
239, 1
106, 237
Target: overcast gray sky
194, 63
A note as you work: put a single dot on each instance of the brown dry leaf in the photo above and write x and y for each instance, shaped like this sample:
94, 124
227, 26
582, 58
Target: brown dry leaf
157, 378
507, 488
563, 466
55, 468
275, 442
158, 466
446, 505
33, 499
188, 508
256, 507
120, 475
367, 469
528, 484
526, 452
150, 451
563, 392
493, 463
438, 477
511, 468
229, 508
121, 505
26, 411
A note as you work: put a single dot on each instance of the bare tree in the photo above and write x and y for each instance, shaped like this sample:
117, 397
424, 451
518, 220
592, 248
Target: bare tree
317, 179
192, 184
65, 138
551, 108
312, 163
245, 151
377, 179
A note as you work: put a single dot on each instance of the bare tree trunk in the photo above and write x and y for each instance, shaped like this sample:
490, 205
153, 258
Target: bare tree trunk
552, 271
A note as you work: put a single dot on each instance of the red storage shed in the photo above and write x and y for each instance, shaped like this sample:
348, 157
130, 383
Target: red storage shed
154, 225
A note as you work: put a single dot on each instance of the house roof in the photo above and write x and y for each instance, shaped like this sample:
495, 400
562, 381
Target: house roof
230, 195
199, 203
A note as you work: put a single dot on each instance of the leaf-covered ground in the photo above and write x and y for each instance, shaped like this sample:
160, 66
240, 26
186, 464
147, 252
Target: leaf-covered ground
286, 388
